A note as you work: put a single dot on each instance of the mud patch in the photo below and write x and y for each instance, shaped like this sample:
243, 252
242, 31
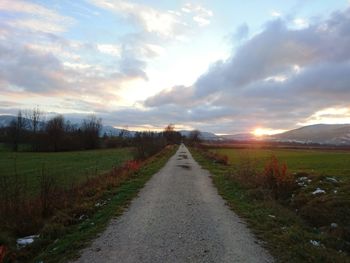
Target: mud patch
185, 166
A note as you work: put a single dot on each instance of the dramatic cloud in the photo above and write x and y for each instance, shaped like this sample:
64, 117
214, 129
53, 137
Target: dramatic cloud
277, 78
292, 71
36, 60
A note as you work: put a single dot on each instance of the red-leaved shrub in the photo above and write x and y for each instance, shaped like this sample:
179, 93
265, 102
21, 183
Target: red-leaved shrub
276, 178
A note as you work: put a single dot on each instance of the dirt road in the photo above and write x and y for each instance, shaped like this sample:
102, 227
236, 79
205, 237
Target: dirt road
178, 217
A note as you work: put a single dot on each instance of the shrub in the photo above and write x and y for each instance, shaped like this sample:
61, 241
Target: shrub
276, 178
132, 165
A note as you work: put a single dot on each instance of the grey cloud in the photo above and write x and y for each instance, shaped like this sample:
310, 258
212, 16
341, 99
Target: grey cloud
241, 85
242, 32
178, 94
30, 70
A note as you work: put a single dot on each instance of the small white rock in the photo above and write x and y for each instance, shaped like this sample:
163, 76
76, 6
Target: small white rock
315, 243
318, 191
24, 241
331, 179
83, 217
334, 225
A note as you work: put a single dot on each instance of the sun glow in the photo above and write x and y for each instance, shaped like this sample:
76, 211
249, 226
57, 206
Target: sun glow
259, 132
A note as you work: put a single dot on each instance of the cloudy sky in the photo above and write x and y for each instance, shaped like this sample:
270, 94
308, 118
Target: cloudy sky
222, 66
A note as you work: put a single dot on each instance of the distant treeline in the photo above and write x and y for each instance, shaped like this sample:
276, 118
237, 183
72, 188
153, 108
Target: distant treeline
29, 132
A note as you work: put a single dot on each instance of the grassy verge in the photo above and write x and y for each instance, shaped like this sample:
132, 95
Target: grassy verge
69, 231
287, 235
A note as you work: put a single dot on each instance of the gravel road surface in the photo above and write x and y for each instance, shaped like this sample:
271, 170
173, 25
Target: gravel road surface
177, 217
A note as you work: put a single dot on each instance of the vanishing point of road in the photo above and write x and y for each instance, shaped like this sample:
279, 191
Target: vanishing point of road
177, 217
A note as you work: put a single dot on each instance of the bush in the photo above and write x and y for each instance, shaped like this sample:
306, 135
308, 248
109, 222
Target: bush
148, 144
276, 178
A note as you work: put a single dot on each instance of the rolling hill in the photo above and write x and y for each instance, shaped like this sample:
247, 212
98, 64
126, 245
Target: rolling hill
335, 134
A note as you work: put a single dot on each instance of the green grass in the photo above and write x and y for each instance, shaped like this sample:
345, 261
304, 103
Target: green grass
331, 163
284, 231
66, 167
78, 236
3, 147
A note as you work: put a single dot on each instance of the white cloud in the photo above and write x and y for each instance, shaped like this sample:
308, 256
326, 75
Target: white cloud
37, 25
301, 23
113, 50
275, 13
201, 21
278, 78
163, 23
201, 15
170, 24
187, 8
35, 17
29, 8
153, 50
77, 66
329, 116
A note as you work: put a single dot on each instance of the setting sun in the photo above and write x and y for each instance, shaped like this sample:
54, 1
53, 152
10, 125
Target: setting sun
259, 132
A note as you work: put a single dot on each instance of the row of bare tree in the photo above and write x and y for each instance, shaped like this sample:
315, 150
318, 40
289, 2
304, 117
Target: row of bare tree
56, 134
33, 130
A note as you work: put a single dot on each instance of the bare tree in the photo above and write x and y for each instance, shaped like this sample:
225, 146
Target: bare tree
194, 137
171, 135
55, 129
35, 117
124, 133
91, 128
16, 130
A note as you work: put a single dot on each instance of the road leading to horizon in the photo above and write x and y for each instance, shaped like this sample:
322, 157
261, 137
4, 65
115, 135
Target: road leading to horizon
177, 217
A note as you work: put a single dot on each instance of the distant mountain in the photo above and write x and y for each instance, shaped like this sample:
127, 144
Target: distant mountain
111, 131
239, 137
5, 120
203, 135
335, 134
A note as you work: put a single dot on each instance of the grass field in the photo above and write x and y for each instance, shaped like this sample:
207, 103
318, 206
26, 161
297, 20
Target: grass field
66, 168
331, 163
